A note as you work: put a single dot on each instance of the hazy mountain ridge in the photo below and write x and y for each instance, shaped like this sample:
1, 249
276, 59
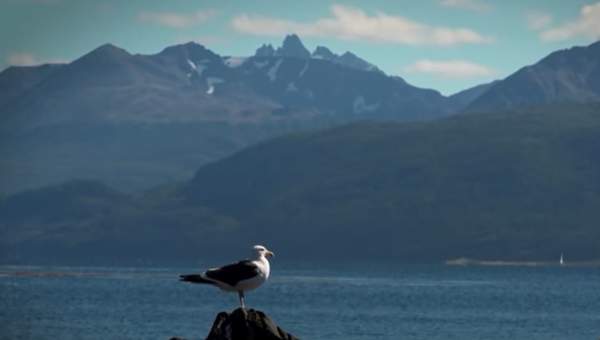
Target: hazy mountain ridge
17, 80
171, 112
130, 96
292, 47
514, 185
570, 75
491, 186
463, 98
189, 82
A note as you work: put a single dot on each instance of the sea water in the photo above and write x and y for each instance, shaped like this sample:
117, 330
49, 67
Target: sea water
311, 302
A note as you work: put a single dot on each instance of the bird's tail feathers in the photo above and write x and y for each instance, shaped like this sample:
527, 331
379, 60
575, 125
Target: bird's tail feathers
194, 278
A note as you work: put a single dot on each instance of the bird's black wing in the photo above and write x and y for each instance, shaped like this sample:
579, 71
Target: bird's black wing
194, 278
234, 273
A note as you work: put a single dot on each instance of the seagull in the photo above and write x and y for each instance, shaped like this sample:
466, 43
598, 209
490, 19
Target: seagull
237, 277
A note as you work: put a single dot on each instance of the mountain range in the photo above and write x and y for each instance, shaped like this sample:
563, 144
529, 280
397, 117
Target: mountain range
565, 76
518, 185
298, 150
136, 110
188, 82
135, 121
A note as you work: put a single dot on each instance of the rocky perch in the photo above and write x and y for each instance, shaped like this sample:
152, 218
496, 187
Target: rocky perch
247, 324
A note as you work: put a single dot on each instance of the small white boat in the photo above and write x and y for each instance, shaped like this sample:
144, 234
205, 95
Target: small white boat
562, 260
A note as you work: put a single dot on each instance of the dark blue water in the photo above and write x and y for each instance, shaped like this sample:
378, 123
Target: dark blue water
403, 302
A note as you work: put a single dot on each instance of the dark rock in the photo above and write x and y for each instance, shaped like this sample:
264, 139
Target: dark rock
324, 53
564, 76
292, 47
246, 325
265, 51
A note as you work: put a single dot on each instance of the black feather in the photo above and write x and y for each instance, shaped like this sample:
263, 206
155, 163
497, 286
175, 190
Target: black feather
234, 273
194, 278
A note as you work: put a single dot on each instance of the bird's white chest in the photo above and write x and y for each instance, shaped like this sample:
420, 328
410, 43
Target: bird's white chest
254, 282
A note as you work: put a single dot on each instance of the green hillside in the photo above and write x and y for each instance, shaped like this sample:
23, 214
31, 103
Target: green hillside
514, 185
518, 185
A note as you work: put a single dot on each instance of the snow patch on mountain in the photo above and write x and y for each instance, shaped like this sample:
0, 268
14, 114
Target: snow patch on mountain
211, 82
200, 69
261, 64
197, 67
272, 73
303, 70
291, 87
235, 61
360, 106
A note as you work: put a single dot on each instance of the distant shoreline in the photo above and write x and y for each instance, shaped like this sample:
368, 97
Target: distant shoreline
463, 261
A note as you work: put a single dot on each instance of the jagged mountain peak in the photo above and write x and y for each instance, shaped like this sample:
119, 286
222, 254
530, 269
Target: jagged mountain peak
324, 53
106, 55
108, 50
292, 47
348, 59
352, 60
190, 50
266, 50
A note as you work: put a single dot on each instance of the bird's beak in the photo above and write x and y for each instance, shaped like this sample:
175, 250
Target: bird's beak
270, 253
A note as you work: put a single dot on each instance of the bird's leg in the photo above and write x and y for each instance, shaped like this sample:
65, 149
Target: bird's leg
241, 295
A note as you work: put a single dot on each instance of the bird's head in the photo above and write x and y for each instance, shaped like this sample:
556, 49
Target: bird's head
262, 251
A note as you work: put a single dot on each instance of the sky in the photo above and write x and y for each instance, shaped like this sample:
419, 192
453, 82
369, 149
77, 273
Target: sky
447, 45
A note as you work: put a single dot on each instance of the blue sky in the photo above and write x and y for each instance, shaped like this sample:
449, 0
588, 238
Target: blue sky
447, 45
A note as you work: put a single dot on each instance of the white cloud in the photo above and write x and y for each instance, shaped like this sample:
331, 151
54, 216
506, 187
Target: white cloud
176, 20
473, 5
351, 23
450, 68
29, 59
538, 20
205, 40
22, 59
586, 25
